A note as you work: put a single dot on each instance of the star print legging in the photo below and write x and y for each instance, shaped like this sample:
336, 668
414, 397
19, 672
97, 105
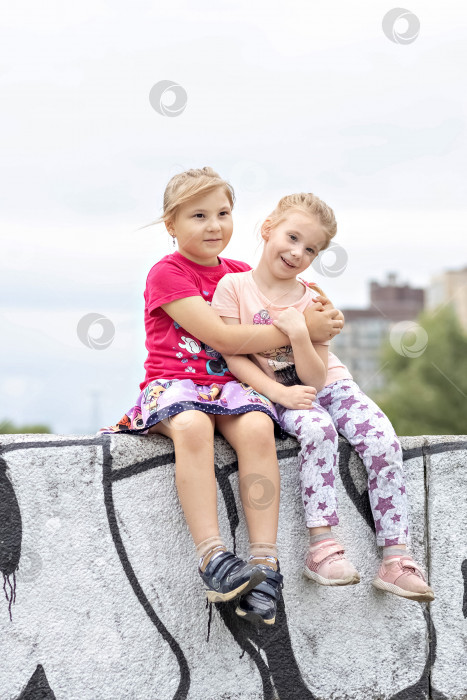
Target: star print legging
343, 406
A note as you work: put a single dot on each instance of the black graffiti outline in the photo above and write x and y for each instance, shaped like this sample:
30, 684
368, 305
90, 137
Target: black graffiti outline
11, 535
275, 641
362, 503
464, 576
108, 478
38, 687
245, 635
136, 468
354, 495
423, 688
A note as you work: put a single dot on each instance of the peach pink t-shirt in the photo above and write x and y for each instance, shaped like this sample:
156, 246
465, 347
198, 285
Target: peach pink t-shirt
238, 296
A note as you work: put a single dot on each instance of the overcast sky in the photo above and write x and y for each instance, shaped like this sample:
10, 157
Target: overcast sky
281, 97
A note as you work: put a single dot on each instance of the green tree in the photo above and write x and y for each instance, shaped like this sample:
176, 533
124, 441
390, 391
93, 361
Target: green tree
9, 428
426, 373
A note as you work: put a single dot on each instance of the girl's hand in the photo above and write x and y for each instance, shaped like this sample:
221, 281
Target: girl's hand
326, 304
324, 301
296, 397
322, 323
291, 322
340, 317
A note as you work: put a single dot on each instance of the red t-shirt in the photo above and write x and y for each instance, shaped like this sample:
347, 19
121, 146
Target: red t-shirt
172, 352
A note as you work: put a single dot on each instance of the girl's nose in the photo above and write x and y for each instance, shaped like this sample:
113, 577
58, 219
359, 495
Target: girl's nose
214, 225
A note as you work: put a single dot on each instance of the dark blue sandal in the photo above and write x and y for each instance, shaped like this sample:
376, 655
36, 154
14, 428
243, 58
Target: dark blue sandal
226, 577
260, 604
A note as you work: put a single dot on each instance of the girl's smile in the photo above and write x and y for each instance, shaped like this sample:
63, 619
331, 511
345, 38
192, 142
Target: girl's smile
286, 263
289, 248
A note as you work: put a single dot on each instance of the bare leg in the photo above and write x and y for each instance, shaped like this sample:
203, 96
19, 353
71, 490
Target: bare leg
192, 433
252, 437
325, 529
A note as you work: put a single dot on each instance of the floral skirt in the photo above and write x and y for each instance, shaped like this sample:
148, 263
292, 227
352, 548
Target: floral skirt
163, 398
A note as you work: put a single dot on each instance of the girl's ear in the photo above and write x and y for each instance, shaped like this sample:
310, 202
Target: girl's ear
266, 230
169, 225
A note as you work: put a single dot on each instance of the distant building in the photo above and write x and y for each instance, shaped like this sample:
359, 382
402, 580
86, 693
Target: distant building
365, 331
449, 288
396, 302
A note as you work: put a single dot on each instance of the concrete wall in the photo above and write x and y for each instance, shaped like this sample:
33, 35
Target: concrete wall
106, 603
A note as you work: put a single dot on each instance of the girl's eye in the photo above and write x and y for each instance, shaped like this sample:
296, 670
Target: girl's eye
225, 212
199, 214
310, 251
293, 237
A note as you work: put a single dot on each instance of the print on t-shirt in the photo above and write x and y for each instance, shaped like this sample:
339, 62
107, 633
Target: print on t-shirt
217, 366
279, 359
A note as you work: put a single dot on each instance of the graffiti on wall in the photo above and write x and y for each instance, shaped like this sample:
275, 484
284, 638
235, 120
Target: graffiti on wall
279, 670
464, 576
38, 687
10, 535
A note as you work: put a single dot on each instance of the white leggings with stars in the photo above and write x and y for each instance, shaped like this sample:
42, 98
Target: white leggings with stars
343, 407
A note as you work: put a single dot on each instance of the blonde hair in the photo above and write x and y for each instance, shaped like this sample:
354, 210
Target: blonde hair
310, 204
191, 183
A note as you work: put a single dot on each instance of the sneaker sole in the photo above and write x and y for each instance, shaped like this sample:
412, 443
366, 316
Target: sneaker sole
392, 588
217, 597
349, 581
254, 618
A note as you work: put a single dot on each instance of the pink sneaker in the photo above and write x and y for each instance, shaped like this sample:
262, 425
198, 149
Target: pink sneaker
403, 577
326, 564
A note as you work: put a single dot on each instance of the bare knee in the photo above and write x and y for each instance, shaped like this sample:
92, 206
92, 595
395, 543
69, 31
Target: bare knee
256, 431
185, 426
192, 428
